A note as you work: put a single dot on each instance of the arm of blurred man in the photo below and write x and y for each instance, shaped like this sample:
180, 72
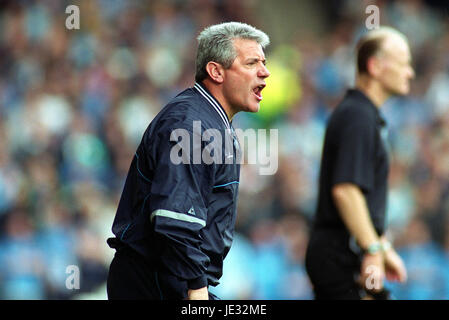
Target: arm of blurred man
351, 205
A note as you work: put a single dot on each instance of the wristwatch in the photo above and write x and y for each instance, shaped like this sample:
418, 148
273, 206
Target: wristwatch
374, 248
386, 245
377, 246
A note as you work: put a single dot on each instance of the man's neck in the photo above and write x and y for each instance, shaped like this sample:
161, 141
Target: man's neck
373, 90
216, 91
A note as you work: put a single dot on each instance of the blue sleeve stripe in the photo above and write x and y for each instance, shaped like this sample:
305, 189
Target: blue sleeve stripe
144, 201
140, 172
123, 233
226, 184
129, 224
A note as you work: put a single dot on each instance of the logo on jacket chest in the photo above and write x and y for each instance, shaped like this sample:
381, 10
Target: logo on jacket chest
213, 146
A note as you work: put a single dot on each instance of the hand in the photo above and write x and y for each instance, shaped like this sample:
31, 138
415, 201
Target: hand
372, 272
394, 266
198, 294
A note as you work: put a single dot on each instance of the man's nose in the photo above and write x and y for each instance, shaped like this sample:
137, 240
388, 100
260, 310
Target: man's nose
263, 72
412, 73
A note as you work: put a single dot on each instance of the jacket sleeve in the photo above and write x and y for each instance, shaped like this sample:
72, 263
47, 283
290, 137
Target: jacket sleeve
178, 205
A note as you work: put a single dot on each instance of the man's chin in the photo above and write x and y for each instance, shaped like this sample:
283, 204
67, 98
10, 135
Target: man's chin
254, 108
250, 107
400, 92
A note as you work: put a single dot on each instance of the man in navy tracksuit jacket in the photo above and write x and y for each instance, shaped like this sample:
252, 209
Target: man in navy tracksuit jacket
175, 220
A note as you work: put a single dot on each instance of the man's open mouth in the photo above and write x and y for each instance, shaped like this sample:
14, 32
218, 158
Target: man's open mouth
258, 91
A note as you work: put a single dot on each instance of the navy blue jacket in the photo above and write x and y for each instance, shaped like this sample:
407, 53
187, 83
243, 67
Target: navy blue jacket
180, 216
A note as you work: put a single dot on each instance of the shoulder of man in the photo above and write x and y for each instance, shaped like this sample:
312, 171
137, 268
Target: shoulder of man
189, 107
352, 111
187, 111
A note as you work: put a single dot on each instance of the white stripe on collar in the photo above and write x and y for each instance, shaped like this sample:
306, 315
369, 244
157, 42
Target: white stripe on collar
214, 104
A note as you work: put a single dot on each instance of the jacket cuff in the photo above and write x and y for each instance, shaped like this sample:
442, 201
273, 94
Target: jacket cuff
197, 283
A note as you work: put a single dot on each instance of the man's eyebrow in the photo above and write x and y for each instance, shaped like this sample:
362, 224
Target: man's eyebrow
264, 61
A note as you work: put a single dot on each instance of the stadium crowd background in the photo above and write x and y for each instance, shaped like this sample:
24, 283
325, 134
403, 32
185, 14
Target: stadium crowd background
74, 104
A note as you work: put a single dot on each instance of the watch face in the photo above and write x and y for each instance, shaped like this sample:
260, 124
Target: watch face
374, 247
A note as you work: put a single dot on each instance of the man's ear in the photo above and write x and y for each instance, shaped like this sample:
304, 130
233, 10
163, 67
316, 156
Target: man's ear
374, 67
215, 71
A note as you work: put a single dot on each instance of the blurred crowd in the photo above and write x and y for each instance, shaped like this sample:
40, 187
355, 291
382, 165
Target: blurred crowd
74, 105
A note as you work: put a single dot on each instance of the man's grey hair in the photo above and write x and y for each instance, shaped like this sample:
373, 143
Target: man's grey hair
215, 43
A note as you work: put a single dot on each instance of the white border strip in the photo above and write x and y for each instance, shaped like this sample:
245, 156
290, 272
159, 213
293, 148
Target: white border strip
176, 216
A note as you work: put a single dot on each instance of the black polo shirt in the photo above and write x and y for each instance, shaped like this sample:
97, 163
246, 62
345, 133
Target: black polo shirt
354, 152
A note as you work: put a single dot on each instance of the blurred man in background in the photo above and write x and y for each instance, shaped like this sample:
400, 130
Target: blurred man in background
348, 255
175, 221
